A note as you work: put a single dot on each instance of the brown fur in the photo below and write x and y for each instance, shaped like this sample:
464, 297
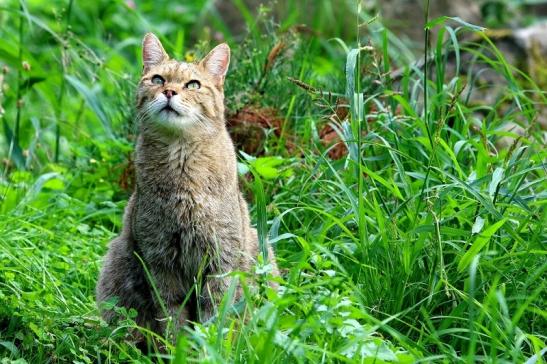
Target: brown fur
187, 218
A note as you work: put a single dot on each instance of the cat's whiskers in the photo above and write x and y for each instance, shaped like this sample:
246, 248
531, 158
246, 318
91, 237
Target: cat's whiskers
187, 115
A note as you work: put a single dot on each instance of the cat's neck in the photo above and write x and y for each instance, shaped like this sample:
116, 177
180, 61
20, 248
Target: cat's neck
170, 161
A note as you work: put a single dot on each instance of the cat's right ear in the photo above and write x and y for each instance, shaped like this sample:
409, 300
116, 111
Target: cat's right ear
152, 52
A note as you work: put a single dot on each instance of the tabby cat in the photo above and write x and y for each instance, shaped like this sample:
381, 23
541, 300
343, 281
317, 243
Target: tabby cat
186, 219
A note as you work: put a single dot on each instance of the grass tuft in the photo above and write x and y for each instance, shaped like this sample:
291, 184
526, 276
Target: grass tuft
410, 234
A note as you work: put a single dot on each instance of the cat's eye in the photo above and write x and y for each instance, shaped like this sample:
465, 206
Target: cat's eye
158, 80
193, 85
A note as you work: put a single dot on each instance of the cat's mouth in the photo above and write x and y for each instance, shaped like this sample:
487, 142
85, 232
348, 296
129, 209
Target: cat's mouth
169, 109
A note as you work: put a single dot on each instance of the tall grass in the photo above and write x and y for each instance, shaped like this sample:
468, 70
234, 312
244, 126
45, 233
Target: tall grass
425, 243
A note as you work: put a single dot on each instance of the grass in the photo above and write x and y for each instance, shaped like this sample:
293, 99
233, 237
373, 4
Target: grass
426, 243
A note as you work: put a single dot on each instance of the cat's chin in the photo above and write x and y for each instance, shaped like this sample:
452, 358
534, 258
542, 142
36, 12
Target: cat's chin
173, 122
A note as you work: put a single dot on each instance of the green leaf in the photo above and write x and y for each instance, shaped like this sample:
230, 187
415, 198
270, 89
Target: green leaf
36, 329
242, 169
390, 185
262, 218
443, 19
270, 167
16, 152
21, 176
31, 81
478, 225
10, 346
38, 185
91, 98
351, 61
497, 176
479, 243
56, 184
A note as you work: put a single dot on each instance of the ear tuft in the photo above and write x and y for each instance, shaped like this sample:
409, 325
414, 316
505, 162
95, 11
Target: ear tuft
152, 51
217, 61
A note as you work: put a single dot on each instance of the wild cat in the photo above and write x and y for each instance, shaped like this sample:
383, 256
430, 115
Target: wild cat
186, 219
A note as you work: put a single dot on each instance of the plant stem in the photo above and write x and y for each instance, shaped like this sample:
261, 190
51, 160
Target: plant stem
363, 235
426, 114
16, 129
59, 112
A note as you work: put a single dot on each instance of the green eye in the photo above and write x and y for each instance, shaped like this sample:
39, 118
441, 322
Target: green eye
157, 80
193, 85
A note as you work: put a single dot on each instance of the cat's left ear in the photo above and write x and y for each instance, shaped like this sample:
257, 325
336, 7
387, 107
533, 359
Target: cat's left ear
152, 51
217, 62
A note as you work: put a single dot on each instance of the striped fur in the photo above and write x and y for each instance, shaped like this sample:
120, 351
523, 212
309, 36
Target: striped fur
186, 219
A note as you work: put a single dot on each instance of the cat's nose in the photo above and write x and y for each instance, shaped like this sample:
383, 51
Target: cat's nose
169, 93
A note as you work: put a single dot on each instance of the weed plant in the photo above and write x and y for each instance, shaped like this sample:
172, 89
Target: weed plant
424, 243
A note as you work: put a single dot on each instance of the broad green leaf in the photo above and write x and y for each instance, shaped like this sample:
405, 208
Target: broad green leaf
270, 167
56, 184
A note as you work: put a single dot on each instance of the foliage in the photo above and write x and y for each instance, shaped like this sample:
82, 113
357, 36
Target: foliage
426, 242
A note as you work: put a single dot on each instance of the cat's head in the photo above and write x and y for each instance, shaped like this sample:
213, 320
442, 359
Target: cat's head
180, 98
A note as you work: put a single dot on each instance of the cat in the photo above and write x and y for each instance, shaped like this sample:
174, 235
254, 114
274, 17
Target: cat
186, 219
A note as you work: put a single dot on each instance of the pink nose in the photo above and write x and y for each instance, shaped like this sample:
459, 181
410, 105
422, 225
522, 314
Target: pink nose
169, 93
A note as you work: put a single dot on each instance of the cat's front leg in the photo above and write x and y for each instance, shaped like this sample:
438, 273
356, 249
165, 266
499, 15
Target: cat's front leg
171, 322
212, 293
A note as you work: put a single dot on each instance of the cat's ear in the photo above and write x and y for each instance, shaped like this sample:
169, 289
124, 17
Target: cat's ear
217, 62
152, 51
